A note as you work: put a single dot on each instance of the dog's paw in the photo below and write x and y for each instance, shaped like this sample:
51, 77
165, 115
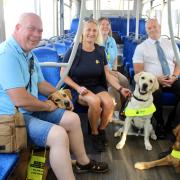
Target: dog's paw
148, 146
153, 136
139, 165
117, 133
120, 145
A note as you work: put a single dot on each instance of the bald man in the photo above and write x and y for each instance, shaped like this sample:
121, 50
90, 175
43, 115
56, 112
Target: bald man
146, 59
46, 124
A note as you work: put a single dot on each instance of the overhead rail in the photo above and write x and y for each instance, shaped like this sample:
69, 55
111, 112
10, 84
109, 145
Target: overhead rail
172, 34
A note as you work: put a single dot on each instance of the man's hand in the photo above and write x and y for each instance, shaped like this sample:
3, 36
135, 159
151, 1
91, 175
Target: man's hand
51, 106
165, 81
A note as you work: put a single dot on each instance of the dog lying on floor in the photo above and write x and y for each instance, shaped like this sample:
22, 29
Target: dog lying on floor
140, 109
171, 159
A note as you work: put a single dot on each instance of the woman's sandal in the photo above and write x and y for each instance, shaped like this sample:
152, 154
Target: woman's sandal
93, 166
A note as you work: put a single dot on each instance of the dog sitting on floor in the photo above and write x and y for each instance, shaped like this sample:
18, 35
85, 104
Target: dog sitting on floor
172, 159
140, 109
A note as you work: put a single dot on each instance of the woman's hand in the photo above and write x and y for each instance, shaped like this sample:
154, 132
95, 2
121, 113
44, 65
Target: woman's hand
82, 90
125, 92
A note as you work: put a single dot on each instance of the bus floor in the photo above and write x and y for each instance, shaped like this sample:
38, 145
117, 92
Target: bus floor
121, 162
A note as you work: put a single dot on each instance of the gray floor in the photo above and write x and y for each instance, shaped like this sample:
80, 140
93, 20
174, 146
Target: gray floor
121, 162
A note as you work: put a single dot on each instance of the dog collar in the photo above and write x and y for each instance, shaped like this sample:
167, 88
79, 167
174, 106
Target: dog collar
175, 154
140, 112
139, 99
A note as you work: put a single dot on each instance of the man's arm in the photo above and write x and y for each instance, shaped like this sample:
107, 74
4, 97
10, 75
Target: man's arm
21, 98
46, 88
176, 70
138, 67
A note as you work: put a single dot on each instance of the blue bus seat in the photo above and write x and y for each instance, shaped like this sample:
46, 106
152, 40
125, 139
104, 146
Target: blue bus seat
7, 164
168, 99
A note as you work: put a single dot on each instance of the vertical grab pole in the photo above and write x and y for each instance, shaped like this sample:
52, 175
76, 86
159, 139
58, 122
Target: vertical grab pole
128, 18
137, 21
76, 43
172, 34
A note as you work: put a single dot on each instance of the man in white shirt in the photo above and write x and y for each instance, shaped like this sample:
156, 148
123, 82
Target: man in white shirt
146, 59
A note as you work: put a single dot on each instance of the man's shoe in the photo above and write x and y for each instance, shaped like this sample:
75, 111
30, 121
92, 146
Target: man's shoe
160, 132
164, 153
97, 143
92, 166
103, 136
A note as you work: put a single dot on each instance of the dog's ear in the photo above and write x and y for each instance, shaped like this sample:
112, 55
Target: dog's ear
136, 76
68, 93
155, 85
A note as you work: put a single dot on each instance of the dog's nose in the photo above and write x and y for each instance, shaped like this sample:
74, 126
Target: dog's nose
144, 86
66, 103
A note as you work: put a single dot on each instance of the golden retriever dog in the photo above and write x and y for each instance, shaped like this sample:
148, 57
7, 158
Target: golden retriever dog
140, 109
172, 159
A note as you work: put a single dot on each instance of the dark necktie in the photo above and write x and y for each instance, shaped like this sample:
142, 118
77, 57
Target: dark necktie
162, 59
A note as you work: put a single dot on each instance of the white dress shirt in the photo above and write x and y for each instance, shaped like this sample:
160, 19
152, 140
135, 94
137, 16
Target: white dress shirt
146, 53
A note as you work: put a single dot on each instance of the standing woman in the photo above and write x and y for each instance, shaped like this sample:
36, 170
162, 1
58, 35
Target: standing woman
111, 55
87, 80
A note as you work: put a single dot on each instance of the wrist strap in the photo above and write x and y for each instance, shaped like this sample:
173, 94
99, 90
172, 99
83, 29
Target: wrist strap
120, 89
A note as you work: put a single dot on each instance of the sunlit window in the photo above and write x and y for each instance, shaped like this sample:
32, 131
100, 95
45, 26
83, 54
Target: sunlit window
67, 2
67, 17
12, 11
111, 4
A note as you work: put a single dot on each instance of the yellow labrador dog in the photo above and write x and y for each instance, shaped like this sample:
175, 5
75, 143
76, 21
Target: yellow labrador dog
140, 109
172, 159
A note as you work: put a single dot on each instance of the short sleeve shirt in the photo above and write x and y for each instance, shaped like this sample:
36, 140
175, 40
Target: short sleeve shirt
146, 53
14, 73
90, 68
111, 51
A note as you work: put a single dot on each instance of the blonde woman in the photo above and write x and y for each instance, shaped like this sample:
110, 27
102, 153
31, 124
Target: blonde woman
111, 55
87, 80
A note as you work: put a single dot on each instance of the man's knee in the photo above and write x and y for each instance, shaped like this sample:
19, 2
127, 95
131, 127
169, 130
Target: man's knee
57, 135
71, 119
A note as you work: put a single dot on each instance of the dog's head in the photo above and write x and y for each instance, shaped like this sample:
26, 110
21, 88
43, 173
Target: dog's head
176, 132
62, 99
146, 82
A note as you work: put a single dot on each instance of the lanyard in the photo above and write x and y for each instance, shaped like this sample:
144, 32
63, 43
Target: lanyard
106, 50
31, 70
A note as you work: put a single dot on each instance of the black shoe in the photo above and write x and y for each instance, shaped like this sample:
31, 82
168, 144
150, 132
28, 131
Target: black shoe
102, 133
92, 166
97, 143
164, 153
160, 132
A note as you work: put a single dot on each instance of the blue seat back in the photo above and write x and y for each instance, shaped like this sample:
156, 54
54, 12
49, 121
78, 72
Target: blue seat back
51, 74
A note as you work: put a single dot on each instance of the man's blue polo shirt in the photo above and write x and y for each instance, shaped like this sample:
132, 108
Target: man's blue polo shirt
111, 51
14, 73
